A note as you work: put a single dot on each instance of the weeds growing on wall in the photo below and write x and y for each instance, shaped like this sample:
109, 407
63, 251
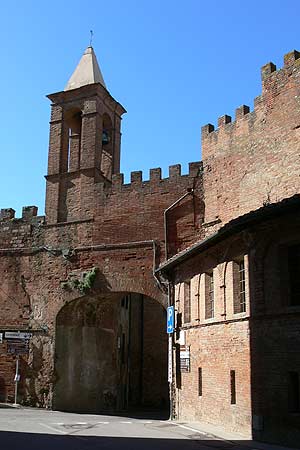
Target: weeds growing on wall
82, 284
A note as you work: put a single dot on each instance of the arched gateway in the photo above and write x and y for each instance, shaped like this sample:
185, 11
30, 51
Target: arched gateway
101, 346
110, 346
111, 354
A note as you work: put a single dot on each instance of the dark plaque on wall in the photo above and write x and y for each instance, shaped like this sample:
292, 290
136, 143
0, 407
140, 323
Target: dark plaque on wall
185, 361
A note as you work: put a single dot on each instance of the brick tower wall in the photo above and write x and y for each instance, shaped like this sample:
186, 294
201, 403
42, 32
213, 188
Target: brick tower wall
254, 160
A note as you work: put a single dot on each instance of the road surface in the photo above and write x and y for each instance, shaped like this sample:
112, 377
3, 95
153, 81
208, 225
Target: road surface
34, 429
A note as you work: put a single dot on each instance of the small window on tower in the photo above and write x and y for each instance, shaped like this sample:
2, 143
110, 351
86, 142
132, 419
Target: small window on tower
74, 121
107, 147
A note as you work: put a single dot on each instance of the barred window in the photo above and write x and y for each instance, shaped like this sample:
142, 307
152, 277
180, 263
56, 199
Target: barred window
200, 381
187, 301
232, 388
209, 296
239, 286
242, 286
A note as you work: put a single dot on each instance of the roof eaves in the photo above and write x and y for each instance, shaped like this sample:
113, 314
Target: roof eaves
236, 225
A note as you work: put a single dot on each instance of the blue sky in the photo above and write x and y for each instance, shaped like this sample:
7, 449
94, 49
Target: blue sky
174, 66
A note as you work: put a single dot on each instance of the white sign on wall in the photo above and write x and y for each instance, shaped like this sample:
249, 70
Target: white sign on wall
181, 340
170, 360
17, 335
1, 338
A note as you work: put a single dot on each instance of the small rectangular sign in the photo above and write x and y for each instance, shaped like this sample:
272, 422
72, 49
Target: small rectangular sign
185, 359
17, 348
17, 335
1, 338
181, 340
170, 319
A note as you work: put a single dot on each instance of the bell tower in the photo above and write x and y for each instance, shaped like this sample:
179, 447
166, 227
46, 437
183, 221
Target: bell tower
84, 144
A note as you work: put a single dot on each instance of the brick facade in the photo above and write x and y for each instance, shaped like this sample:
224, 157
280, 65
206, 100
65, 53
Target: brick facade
95, 222
260, 344
249, 165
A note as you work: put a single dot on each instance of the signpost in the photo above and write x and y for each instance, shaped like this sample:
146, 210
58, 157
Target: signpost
17, 344
17, 379
170, 330
170, 361
170, 319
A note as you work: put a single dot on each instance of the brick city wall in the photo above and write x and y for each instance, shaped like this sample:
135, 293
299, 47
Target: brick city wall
124, 240
246, 163
255, 159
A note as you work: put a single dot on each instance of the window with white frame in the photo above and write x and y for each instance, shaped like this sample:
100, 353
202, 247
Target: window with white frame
187, 301
239, 286
209, 296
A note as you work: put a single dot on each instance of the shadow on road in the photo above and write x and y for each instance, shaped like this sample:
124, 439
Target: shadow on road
131, 414
33, 441
151, 414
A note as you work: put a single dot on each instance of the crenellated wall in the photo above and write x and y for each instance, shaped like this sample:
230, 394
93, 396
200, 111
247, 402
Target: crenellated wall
254, 160
135, 211
124, 239
119, 228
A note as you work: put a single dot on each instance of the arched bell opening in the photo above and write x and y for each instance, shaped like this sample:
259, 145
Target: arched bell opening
111, 355
73, 119
107, 147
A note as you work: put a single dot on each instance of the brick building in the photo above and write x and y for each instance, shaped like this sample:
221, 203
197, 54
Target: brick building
237, 289
90, 281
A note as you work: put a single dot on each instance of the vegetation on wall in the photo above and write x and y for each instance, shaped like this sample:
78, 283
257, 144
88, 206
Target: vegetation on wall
83, 283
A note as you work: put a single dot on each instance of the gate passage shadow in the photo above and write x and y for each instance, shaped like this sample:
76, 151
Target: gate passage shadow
34, 441
150, 414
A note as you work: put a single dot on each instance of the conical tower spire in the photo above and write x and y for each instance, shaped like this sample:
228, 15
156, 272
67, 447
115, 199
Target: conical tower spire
86, 72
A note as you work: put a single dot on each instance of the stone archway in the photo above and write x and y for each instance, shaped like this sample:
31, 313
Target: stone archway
111, 354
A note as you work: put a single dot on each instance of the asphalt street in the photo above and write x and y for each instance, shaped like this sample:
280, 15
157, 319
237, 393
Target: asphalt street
33, 429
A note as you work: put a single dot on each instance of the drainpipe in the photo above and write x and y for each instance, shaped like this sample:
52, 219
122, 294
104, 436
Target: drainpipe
190, 191
17, 379
141, 374
128, 353
170, 358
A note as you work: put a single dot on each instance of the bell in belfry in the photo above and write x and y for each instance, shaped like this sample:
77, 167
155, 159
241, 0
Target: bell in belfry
105, 137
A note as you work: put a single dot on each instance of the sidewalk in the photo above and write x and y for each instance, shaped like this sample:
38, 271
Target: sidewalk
214, 432
8, 405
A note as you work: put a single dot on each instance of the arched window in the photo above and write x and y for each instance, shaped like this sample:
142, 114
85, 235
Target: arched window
74, 121
107, 147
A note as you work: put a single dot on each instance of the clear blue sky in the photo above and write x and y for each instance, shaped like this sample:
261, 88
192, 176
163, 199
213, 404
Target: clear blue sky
174, 66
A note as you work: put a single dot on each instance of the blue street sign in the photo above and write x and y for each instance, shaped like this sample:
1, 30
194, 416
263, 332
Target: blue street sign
170, 319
